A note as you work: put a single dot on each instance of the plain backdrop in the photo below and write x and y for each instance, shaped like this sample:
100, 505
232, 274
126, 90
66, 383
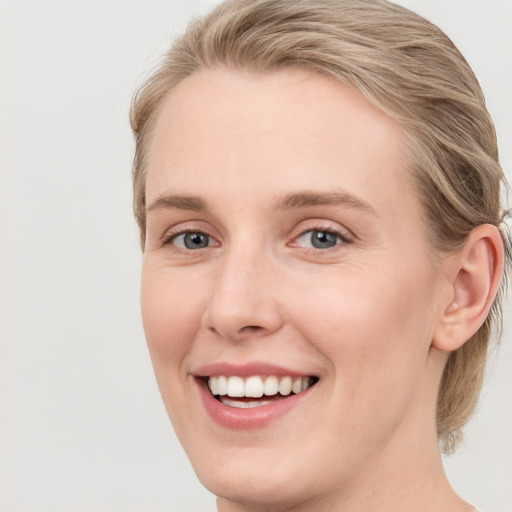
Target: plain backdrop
82, 424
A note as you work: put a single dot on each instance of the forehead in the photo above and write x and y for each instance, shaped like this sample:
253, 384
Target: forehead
264, 134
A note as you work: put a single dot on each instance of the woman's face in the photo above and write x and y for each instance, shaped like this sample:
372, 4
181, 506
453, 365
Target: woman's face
285, 248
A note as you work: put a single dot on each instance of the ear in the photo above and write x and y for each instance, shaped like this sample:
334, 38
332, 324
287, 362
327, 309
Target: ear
473, 275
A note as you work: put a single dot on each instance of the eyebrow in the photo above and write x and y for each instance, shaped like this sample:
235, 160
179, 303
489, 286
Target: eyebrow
305, 199
178, 202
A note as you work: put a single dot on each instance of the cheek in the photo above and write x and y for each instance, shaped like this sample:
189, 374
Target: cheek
171, 314
375, 333
371, 326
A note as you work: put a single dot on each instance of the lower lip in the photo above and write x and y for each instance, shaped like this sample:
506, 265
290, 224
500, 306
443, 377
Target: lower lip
246, 419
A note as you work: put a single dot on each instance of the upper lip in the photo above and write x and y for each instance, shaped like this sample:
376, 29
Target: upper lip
247, 370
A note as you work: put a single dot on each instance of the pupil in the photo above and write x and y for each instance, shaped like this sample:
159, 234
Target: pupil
323, 239
195, 240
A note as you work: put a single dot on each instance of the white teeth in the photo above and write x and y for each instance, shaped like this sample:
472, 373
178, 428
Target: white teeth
271, 386
245, 405
236, 387
214, 386
256, 387
285, 386
223, 385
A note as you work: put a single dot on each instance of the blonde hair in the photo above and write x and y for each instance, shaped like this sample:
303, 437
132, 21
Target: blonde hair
404, 65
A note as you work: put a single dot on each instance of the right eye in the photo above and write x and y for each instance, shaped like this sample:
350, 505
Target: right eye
192, 240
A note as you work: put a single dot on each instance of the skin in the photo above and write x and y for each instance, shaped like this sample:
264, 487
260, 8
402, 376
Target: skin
362, 315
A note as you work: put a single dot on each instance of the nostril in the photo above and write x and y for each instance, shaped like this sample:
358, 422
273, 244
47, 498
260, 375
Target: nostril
250, 328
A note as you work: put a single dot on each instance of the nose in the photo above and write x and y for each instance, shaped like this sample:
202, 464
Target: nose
243, 303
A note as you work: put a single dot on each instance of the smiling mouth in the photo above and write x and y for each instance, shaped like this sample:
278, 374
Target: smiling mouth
256, 391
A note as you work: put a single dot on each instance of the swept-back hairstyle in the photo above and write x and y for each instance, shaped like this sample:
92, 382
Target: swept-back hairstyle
405, 66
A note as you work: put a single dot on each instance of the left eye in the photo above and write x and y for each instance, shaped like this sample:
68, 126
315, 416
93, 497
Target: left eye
192, 240
319, 239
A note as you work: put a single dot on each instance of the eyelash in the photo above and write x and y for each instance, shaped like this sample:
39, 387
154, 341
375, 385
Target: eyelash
343, 237
169, 237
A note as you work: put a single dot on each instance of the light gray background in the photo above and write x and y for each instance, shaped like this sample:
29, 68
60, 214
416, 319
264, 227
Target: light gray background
82, 424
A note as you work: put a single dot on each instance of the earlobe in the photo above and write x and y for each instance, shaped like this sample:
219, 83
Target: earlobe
474, 277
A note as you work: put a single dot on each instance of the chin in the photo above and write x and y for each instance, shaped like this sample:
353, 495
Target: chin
256, 485
264, 475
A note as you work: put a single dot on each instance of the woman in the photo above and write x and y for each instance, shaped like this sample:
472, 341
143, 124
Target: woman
317, 188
